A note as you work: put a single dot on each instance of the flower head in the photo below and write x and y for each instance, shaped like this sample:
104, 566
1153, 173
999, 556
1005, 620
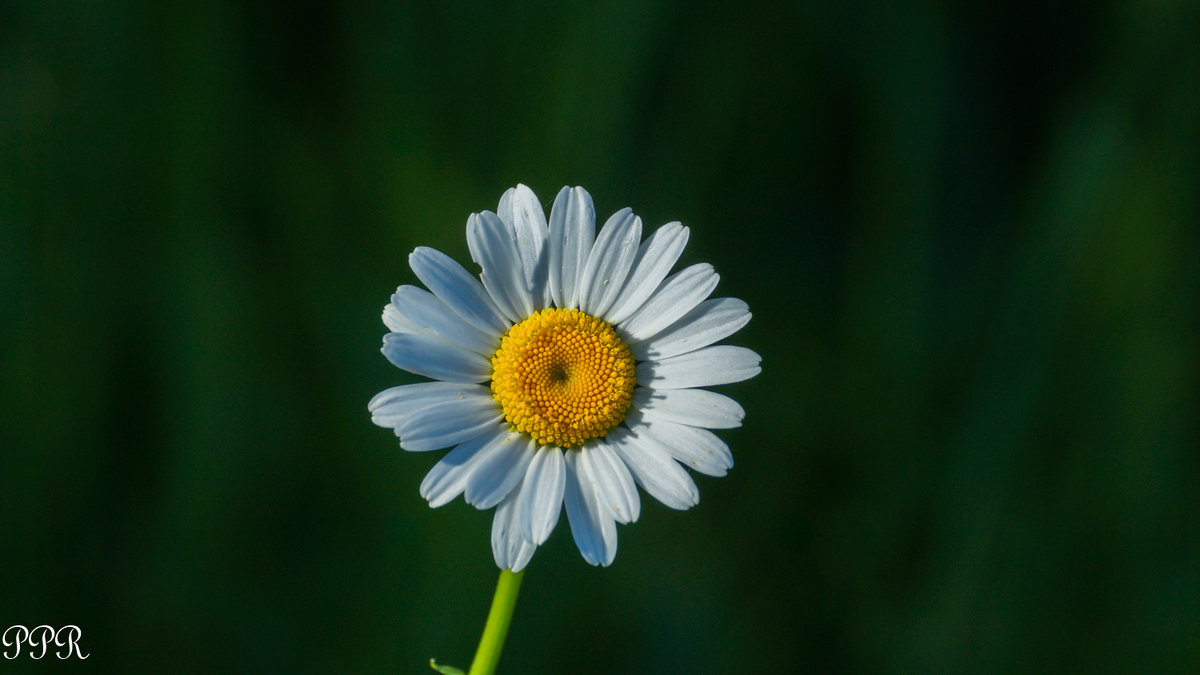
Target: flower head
570, 375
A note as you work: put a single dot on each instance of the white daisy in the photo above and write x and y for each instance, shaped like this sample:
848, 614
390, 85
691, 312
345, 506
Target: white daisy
570, 375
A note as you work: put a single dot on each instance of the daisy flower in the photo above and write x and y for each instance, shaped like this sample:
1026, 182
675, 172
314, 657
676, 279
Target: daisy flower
569, 373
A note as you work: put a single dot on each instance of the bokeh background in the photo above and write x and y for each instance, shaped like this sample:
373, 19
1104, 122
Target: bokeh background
968, 233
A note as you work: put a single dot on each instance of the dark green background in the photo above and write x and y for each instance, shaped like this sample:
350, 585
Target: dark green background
968, 234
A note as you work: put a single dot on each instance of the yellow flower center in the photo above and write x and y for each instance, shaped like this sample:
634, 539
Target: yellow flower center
563, 377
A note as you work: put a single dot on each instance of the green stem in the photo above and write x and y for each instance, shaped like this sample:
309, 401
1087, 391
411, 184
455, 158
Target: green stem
500, 616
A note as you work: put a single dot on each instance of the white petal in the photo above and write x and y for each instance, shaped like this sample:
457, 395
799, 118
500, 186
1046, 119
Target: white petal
520, 208
694, 407
497, 473
710, 321
455, 286
612, 481
448, 423
510, 548
390, 407
572, 232
448, 478
432, 415
659, 475
594, 531
493, 245
674, 298
541, 497
654, 260
395, 322
698, 449
610, 260
434, 358
416, 310
702, 368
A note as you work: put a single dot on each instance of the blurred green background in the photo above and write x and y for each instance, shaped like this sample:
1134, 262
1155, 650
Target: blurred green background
968, 233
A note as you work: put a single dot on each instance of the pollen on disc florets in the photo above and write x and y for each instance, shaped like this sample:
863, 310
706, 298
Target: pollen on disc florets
563, 377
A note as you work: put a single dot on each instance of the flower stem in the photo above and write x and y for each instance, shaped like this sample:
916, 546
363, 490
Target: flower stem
500, 616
